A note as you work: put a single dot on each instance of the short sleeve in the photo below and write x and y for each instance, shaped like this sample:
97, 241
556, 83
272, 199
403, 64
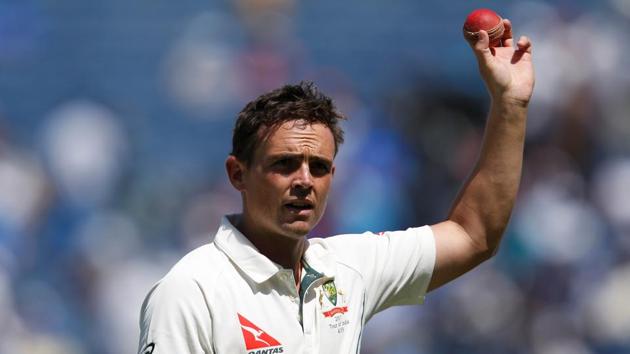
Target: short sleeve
396, 266
175, 319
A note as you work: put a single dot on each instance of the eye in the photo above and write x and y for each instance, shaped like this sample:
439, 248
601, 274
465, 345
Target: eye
319, 168
285, 165
282, 162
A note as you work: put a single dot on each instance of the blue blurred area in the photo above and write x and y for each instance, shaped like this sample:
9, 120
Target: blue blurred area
116, 118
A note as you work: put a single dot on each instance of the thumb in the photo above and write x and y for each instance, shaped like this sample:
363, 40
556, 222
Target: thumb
481, 47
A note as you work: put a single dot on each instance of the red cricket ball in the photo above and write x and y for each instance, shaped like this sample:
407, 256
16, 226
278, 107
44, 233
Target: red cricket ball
487, 20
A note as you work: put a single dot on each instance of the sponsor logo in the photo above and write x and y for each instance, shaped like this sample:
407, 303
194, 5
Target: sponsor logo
335, 310
256, 340
267, 351
330, 290
148, 349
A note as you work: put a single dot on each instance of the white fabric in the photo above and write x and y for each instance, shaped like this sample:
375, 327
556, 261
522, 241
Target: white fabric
195, 308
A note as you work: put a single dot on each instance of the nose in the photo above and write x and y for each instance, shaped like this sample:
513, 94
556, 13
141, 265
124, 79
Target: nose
303, 179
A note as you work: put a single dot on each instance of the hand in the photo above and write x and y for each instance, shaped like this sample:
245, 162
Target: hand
508, 71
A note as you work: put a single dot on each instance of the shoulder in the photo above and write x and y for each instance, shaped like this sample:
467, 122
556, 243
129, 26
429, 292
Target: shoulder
201, 262
189, 279
355, 250
175, 313
353, 243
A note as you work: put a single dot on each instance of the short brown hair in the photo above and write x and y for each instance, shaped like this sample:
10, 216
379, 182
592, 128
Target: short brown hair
303, 102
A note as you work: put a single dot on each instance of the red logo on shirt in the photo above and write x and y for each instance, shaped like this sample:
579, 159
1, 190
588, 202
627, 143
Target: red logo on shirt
256, 338
335, 311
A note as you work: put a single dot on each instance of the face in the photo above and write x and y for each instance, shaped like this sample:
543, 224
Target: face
286, 186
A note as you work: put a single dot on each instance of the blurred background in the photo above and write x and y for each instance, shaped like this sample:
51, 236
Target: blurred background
116, 118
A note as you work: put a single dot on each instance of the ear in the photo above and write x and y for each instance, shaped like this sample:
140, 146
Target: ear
235, 170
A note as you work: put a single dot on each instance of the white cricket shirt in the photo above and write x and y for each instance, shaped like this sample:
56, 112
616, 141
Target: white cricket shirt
226, 297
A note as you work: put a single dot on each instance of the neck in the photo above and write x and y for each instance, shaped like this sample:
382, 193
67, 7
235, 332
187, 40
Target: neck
283, 250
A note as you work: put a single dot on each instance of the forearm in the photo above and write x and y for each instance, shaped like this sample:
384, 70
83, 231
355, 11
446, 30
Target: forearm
484, 204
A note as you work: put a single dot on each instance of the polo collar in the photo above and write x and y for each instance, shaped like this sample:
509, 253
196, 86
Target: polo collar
320, 258
243, 253
260, 268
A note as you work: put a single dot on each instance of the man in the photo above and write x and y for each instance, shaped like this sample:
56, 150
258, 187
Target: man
262, 287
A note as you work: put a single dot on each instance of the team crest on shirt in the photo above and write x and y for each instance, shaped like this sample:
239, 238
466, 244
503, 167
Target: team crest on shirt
330, 290
334, 307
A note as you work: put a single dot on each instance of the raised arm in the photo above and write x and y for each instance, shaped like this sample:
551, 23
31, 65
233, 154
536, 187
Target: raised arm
481, 211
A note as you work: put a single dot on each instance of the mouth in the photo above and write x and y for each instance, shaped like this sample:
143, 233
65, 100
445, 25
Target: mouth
300, 206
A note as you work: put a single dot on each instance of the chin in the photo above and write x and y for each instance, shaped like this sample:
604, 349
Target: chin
298, 229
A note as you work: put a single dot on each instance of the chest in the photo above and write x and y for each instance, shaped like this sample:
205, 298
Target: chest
273, 318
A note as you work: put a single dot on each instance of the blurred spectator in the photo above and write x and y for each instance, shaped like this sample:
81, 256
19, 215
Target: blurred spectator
24, 192
200, 68
85, 147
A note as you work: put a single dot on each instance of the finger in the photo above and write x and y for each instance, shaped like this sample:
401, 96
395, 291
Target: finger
506, 39
524, 44
471, 38
482, 46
